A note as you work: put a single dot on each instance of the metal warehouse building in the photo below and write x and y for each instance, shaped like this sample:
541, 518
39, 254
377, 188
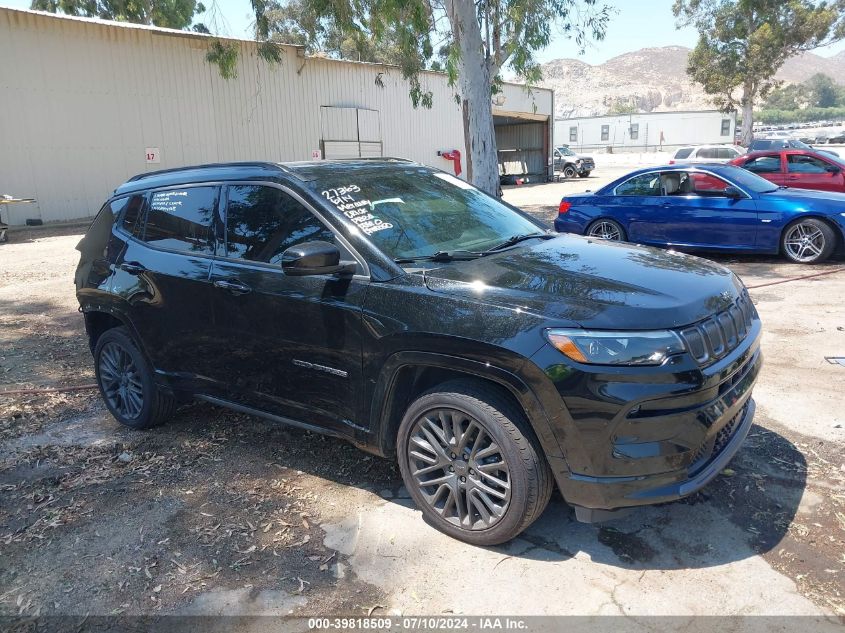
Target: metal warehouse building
646, 131
87, 104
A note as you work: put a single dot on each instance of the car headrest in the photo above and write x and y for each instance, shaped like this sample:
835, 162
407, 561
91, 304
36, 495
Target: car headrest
671, 183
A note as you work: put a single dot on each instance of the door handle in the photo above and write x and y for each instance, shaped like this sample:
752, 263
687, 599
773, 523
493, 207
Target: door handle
234, 286
134, 268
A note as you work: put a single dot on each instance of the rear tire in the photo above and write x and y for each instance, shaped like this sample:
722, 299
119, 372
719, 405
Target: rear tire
472, 464
808, 241
127, 384
606, 229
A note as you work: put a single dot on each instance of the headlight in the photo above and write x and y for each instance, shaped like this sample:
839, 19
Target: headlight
600, 347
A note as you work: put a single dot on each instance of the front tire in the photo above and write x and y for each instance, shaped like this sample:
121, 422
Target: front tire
808, 241
606, 229
471, 463
126, 382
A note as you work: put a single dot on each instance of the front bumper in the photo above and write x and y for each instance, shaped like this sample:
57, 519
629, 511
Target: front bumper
632, 439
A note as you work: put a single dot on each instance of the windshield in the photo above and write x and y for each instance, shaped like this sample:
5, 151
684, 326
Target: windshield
747, 180
416, 212
565, 151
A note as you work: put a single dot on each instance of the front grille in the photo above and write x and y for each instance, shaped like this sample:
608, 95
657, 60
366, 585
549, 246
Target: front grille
715, 337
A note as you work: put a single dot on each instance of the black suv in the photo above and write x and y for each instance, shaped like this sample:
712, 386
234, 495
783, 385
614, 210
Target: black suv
399, 308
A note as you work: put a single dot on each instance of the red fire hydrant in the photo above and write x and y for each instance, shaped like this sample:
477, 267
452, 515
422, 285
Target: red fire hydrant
455, 156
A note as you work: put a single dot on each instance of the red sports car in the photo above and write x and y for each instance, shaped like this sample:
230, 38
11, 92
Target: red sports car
799, 168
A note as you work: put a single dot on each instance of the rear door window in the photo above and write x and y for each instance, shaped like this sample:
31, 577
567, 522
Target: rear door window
181, 220
707, 152
262, 222
726, 153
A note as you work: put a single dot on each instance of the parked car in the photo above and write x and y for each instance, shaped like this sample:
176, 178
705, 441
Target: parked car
571, 164
709, 208
836, 139
705, 154
759, 145
803, 169
400, 308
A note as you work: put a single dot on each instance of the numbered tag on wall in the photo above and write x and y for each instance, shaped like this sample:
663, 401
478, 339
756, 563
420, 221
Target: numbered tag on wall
153, 155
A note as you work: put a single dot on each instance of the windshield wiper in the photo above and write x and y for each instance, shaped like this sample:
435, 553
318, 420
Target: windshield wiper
440, 256
516, 239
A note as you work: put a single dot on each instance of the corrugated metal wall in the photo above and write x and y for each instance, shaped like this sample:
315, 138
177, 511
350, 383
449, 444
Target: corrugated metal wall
81, 102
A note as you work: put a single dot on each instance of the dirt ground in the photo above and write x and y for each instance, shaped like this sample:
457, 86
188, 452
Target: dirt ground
219, 512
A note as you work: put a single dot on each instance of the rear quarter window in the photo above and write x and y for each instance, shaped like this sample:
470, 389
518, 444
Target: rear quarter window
684, 152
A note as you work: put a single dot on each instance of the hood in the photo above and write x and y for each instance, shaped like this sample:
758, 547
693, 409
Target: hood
572, 280
815, 199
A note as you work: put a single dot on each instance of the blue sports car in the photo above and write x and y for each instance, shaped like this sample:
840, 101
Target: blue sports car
709, 207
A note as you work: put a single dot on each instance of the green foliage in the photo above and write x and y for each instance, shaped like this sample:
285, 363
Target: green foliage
807, 115
225, 56
621, 106
819, 91
743, 43
404, 32
173, 14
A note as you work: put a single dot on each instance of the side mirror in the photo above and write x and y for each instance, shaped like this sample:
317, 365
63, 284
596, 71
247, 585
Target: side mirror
833, 169
315, 258
734, 193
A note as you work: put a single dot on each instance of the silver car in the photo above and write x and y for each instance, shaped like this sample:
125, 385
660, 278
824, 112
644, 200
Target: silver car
705, 154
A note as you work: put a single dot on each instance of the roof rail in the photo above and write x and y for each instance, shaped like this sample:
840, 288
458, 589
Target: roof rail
172, 170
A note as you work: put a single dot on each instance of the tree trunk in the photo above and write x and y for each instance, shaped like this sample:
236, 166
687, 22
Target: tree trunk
746, 133
474, 85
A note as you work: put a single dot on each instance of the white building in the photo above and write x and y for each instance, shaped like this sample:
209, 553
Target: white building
86, 104
647, 131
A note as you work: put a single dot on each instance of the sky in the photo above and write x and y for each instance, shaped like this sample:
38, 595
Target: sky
637, 24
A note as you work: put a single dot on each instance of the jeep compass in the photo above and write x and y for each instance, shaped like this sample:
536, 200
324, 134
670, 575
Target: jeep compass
399, 308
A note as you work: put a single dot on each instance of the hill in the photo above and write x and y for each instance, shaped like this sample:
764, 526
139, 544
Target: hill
653, 80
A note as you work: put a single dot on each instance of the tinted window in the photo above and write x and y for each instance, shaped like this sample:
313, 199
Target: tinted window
262, 222
181, 219
642, 185
797, 164
134, 206
764, 164
707, 152
726, 153
762, 144
684, 152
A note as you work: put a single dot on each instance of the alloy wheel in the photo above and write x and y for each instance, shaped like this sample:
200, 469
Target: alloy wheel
121, 381
804, 242
605, 231
459, 469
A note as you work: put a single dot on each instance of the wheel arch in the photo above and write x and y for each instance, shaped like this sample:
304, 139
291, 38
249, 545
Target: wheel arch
406, 375
99, 321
